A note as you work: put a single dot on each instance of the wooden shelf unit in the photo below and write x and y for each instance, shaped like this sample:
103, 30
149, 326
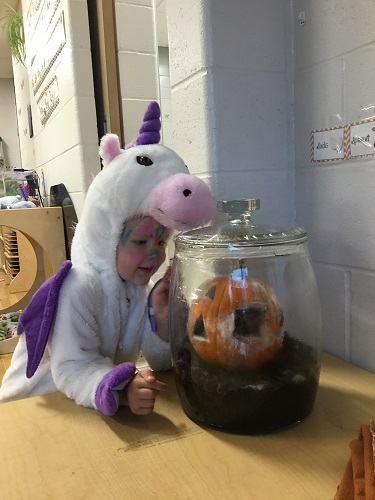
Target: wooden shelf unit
32, 248
17, 251
11, 258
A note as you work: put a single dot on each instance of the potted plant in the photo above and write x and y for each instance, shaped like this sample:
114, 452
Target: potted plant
15, 34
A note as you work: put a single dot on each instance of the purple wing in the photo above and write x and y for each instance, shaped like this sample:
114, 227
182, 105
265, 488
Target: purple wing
36, 319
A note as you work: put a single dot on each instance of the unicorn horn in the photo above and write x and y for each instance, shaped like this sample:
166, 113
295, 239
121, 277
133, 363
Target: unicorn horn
149, 133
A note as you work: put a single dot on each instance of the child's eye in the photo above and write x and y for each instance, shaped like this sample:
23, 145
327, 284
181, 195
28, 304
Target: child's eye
140, 242
162, 243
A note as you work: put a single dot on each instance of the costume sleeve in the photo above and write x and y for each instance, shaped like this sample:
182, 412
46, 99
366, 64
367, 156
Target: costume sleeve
78, 368
155, 350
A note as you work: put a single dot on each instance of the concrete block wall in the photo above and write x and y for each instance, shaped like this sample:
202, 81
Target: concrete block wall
334, 86
64, 149
231, 79
22, 97
8, 123
138, 61
165, 98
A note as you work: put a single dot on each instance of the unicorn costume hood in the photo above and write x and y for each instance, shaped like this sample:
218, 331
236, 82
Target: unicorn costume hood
145, 179
84, 328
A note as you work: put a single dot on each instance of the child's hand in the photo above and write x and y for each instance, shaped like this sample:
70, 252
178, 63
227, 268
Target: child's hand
141, 392
161, 293
159, 302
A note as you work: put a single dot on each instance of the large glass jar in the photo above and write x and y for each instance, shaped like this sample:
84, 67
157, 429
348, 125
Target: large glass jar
245, 323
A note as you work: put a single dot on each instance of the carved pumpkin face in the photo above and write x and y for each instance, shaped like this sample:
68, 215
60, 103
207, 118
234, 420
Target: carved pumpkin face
235, 323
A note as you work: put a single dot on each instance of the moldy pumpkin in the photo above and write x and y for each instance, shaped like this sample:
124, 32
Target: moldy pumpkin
236, 323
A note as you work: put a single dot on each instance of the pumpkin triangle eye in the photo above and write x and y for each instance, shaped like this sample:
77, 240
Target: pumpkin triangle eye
199, 329
145, 161
211, 292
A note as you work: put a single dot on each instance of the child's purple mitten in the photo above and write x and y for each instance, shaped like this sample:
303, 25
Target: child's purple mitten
106, 397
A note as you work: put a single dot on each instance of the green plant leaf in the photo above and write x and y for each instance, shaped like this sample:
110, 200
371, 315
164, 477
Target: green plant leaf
15, 34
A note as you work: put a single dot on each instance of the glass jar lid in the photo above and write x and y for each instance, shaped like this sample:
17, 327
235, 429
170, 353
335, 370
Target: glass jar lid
239, 230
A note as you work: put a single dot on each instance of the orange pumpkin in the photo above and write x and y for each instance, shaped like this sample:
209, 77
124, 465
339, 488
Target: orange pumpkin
236, 323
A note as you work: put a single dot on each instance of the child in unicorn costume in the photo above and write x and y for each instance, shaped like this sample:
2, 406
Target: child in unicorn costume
85, 327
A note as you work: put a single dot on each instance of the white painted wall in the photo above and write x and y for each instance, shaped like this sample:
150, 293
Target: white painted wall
65, 148
138, 61
232, 98
8, 123
165, 98
334, 80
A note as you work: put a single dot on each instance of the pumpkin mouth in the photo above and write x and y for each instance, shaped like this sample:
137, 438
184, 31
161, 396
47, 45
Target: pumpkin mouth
248, 320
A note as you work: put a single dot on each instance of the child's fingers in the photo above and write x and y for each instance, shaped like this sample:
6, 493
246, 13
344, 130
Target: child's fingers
143, 402
167, 275
159, 386
148, 394
155, 385
152, 383
142, 410
147, 375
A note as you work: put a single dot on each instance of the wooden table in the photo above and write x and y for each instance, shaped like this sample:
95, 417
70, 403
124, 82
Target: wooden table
52, 448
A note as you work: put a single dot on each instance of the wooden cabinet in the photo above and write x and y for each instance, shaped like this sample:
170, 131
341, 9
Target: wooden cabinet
32, 248
16, 250
11, 264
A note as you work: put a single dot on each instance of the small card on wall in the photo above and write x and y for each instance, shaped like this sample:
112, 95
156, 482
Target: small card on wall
328, 144
362, 139
48, 100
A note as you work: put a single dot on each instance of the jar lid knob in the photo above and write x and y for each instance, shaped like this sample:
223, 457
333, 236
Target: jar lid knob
238, 206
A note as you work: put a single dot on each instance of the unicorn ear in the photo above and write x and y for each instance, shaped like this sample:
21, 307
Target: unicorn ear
149, 133
109, 148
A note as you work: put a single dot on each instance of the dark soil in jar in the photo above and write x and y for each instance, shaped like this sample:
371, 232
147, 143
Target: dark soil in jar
277, 395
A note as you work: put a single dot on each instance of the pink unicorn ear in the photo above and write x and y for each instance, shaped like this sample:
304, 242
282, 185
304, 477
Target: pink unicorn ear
109, 148
149, 133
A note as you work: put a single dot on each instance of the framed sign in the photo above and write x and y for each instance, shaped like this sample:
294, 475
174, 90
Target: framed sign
362, 139
329, 144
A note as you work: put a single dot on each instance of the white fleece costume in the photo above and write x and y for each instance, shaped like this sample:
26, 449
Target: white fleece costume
100, 320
